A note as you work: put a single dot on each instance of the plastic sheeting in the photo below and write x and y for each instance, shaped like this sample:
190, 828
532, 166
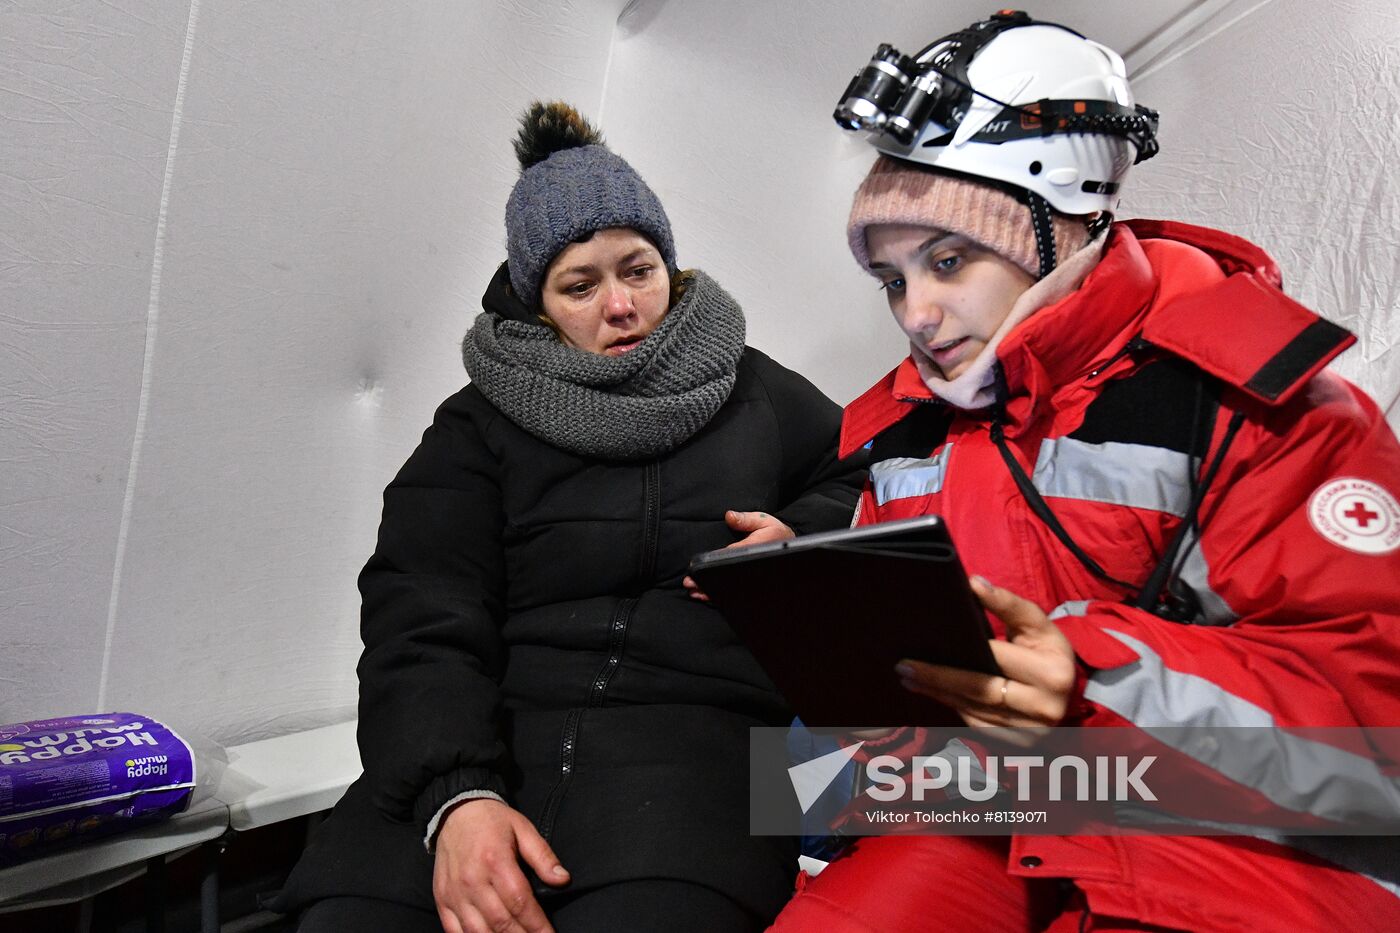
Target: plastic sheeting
243, 241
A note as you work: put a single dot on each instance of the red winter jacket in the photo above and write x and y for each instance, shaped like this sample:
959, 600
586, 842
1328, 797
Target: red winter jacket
1295, 578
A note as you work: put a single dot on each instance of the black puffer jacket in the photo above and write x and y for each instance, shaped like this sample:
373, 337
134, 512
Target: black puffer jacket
526, 631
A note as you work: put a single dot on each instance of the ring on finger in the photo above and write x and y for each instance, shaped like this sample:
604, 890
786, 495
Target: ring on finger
1005, 683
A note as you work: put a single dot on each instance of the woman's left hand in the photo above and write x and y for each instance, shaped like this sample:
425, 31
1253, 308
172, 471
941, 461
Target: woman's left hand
757, 528
1036, 659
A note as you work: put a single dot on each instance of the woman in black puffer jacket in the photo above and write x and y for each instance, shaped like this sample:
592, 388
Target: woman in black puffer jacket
537, 688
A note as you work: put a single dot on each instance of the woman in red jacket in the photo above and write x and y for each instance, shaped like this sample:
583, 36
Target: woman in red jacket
1128, 428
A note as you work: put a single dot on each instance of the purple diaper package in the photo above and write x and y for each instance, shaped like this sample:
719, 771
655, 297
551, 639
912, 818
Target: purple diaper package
66, 780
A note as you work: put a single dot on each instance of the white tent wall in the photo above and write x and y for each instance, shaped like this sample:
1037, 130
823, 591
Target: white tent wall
244, 240
1273, 127
1279, 124
726, 108
82, 149
193, 445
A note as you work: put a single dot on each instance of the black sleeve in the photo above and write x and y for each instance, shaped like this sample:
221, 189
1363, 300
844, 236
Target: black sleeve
820, 490
433, 598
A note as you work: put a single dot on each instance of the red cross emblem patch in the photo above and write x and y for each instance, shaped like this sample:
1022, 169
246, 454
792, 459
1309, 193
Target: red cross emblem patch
1356, 514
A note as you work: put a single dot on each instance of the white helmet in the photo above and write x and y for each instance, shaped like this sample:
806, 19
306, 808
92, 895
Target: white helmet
1033, 105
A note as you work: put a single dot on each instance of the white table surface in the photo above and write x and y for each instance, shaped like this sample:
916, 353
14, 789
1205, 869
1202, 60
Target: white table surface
289, 776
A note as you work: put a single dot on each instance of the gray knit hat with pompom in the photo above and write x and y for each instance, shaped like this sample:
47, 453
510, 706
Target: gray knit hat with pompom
571, 185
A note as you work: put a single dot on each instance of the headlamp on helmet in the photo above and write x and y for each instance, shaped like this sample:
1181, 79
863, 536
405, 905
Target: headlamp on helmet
1002, 100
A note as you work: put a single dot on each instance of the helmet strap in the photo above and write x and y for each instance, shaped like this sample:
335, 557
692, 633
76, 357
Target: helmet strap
1044, 227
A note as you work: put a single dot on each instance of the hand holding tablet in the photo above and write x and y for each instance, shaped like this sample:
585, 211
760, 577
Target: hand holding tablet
829, 615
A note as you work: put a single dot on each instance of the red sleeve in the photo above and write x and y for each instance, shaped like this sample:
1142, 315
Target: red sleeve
1298, 571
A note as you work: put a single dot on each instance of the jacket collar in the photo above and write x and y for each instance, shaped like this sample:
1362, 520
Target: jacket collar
883, 404
1035, 354
1267, 345
1166, 283
1068, 339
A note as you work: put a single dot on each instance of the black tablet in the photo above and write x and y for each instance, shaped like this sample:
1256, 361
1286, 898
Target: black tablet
829, 615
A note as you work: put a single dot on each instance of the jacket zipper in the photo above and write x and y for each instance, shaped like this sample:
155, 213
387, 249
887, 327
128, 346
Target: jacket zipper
617, 639
1132, 346
651, 524
566, 770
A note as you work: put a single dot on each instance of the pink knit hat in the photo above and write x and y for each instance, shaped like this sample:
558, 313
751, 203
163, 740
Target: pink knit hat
898, 192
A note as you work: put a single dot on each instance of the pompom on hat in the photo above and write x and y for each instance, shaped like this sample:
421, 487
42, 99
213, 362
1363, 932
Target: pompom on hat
900, 192
571, 185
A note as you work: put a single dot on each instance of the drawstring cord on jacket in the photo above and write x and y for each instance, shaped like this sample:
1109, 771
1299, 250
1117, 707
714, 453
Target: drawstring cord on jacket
1031, 494
1158, 595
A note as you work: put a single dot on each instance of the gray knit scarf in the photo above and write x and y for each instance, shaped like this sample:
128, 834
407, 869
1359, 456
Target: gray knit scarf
641, 404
